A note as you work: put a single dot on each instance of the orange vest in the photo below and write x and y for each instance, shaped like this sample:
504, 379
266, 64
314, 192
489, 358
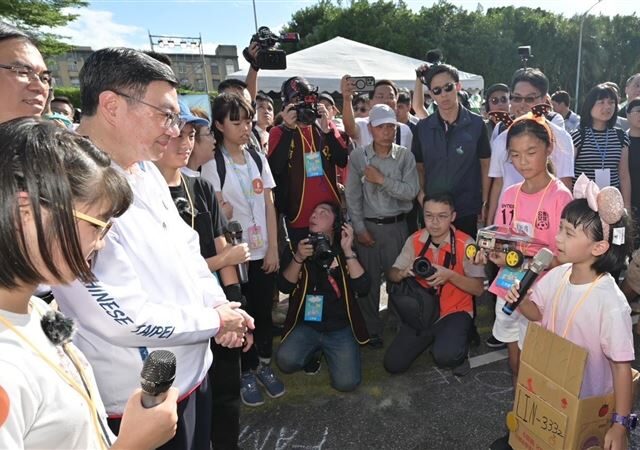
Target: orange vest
452, 299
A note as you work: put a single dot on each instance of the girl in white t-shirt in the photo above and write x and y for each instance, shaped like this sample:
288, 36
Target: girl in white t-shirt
58, 194
241, 176
580, 301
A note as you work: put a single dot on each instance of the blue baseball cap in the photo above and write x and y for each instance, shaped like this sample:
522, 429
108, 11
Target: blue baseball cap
185, 114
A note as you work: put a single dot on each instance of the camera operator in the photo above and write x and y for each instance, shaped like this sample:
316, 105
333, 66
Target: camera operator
323, 280
303, 156
440, 287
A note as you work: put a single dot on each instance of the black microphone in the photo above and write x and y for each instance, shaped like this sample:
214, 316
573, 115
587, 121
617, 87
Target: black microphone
158, 373
234, 228
540, 262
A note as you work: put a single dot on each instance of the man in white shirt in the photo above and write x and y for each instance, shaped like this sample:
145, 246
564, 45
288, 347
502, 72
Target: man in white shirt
384, 92
154, 290
529, 87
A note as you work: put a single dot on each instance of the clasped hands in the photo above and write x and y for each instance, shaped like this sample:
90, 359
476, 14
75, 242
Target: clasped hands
235, 327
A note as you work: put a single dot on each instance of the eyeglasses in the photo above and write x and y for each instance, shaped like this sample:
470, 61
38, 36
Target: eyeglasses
528, 100
172, 119
27, 74
103, 226
447, 88
436, 218
496, 100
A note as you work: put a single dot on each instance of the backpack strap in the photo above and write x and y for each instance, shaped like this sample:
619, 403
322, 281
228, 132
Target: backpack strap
222, 168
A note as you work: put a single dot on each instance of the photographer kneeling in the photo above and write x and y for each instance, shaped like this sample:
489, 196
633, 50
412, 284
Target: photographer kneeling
323, 279
432, 292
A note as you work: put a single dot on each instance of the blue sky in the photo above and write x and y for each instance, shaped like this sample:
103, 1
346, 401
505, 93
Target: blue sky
125, 22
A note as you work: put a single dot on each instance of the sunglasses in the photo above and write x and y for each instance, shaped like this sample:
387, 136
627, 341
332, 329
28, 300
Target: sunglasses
496, 100
527, 100
103, 226
446, 88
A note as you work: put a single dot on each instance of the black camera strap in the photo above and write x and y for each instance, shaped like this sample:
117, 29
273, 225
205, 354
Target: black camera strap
449, 258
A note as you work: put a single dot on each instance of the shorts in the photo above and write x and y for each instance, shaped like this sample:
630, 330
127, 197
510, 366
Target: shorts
632, 278
506, 328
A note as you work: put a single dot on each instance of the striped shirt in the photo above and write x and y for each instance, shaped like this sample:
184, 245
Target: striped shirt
599, 150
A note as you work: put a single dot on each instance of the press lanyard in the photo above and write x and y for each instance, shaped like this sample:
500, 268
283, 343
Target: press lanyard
193, 212
247, 190
310, 145
575, 309
603, 153
103, 437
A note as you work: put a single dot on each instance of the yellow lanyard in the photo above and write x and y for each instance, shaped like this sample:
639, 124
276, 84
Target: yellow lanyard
559, 292
87, 396
193, 212
515, 204
310, 145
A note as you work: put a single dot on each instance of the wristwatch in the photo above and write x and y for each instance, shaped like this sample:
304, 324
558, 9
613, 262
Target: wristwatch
354, 256
629, 422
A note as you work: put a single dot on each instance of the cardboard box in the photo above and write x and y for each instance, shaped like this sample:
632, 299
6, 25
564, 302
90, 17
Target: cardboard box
548, 413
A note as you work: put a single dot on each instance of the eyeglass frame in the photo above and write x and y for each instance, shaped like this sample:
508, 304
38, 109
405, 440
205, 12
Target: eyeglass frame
171, 119
502, 99
529, 100
105, 226
437, 91
436, 217
30, 74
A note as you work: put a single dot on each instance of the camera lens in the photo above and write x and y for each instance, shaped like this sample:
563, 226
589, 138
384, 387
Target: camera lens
422, 267
360, 84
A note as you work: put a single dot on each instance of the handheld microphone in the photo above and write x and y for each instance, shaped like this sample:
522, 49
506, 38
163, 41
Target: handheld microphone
540, 262
234, 228
156, 377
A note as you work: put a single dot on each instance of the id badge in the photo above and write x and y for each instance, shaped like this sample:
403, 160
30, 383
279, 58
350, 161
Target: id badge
313, 308
523, 227
506, 278
603, 178
255, 237
313, 164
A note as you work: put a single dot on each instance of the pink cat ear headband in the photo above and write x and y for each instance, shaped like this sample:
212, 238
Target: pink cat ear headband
608, 203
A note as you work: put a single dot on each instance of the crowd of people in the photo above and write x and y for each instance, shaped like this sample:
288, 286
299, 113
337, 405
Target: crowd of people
155, 226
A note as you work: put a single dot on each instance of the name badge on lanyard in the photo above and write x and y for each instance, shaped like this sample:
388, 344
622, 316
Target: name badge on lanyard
313, 305
313, 164
602, 175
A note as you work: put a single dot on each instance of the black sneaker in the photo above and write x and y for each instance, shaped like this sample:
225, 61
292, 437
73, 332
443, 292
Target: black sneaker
501, 443
462, 369
376, 342
313, 366
492, 342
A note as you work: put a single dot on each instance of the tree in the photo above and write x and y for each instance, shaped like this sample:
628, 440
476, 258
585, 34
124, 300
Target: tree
482, 42
35, 16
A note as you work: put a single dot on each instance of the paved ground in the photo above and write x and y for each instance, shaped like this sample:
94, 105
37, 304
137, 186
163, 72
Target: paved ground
425, 408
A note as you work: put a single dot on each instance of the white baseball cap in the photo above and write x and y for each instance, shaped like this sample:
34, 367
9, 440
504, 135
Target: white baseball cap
381, 114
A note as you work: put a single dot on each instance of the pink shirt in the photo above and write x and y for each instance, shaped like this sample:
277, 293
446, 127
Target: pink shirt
538, 215
602, 325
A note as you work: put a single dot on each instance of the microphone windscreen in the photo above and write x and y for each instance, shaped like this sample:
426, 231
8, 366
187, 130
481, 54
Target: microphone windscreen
158, 372
542, 260
234, 227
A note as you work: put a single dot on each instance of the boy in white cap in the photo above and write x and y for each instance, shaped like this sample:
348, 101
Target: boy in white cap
380, 189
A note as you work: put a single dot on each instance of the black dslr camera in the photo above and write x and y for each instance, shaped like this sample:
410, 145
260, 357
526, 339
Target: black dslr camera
322, 252
423, 268
269, 57
307, 109
434, 58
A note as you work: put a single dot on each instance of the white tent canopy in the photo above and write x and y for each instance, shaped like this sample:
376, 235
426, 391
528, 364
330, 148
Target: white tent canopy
323, 65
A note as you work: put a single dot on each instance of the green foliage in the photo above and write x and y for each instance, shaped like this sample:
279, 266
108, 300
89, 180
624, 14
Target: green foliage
482, 42
72, 93
34, 15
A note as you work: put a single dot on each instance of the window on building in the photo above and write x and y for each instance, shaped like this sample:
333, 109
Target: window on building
228, 63
214, 68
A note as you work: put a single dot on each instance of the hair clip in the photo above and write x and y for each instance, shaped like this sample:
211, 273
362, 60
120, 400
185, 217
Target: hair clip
608, 203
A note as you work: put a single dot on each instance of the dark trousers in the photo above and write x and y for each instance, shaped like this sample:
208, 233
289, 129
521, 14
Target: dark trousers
258, 292
224, 377
194, 421
449, 340
467, 224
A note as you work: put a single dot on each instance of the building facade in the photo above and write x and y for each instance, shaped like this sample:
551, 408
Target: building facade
190, 69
